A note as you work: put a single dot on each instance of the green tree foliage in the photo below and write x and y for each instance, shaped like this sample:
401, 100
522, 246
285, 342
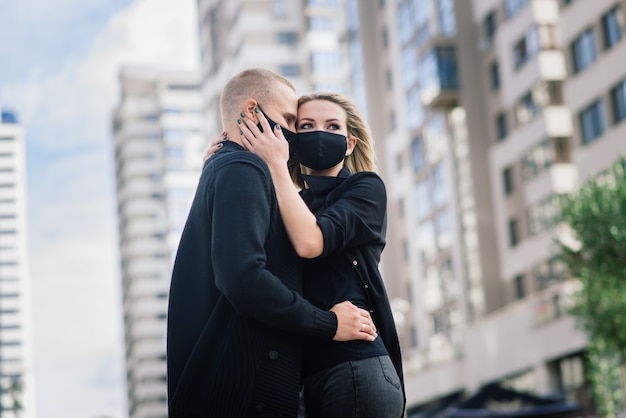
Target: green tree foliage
596, 216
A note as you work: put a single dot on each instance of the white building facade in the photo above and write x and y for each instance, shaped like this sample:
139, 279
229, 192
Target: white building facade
158, 158
17, 396
483, 111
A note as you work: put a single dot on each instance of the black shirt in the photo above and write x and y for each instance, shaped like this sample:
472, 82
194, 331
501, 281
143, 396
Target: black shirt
356, 218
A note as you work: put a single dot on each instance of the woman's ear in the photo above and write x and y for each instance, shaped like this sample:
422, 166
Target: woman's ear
351, 145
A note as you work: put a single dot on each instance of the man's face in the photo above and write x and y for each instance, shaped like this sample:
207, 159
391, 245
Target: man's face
283, 108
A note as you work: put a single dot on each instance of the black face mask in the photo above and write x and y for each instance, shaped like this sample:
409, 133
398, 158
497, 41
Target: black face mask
320, 150
289, 135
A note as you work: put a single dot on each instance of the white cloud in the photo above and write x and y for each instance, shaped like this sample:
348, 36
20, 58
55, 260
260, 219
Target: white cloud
78, 352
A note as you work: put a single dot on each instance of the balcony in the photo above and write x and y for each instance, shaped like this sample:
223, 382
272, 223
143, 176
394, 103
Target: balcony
439, 78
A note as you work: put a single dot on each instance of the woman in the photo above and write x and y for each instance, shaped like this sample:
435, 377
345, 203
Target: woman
338, 222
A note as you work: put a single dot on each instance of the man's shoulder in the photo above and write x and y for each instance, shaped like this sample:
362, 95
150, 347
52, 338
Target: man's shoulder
241, 163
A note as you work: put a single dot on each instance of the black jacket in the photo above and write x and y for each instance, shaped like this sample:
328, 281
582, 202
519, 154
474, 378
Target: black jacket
235, 303
351, 211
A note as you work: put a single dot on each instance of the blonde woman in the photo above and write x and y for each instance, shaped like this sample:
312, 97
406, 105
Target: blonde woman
333, 206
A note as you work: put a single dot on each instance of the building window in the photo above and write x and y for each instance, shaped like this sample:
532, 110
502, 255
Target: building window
447, 18
494, 75
289, 70
287, 38
321, 23
507, 180
618, 101
325, 63
548, 272
418, 154
438, 71
518, 284
526, 109
385, 36
501, 127
513, 6
490, 25
527, 47
612, 27
513, 228
592, 121
584, 50
543, 215
537, 159
415, 109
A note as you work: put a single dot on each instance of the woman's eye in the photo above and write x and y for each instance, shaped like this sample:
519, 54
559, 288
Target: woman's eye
333, 127
305, 125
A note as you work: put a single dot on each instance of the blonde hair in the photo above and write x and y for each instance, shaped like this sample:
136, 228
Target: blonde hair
363, 157
254, 83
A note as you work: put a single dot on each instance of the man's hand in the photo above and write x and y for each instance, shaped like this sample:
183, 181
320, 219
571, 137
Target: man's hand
353, 323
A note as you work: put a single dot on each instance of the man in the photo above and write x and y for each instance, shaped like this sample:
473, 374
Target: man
236, 317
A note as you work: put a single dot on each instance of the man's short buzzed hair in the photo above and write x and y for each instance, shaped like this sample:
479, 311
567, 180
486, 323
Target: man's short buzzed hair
253, 83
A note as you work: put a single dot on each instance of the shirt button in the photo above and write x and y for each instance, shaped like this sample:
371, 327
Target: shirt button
371, 311
366, 286
354, 262
273, 355
260, 407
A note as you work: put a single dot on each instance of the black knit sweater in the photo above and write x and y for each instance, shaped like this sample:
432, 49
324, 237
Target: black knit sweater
236, 315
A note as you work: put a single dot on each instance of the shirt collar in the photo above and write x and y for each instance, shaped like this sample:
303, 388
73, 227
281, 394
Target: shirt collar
323, 184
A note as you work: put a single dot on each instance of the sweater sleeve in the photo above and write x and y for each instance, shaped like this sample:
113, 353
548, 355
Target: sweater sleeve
240, 210
357, 216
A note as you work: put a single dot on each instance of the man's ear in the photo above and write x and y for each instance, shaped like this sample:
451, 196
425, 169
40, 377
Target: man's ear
248, 109
351, 145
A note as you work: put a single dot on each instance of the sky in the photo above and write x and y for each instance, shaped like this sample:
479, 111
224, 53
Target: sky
59, 62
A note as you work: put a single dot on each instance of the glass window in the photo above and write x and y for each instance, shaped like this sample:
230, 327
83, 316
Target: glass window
422, 198
584, 50
415, 110
507, 180
405, 27
447, 19
289, 70
520, 291
494, 75
513, 229
618, 101
409, 65
288, 38
527, 47
501, 127
513, 6
489, 25
537, 159
321, 23
325, 62
526, 109
549, 272
612, 27
438, 185
324, 3
443, 229
418, 154
438, 71
592, 121
542, 215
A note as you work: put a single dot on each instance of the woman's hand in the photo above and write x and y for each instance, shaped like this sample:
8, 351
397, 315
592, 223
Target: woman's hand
214, 147
270, 144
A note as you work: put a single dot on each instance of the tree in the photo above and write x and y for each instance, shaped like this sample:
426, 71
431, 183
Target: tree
596, 216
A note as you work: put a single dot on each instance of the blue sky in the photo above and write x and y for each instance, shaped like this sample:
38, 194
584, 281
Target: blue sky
58, 70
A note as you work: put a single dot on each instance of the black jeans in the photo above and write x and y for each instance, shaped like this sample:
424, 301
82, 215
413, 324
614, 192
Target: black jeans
368, 388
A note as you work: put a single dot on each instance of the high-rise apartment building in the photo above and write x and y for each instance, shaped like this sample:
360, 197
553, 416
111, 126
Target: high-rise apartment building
17, 397
158, 157
497, 106
299, 40
483, 111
